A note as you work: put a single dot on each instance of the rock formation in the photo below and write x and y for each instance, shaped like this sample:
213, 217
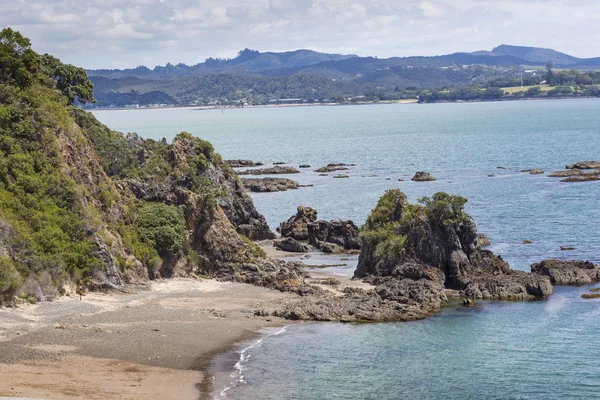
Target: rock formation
437, 241
584, 165
291, 245
329, 236
568, 272
276, 170
334, 167
240, 163
422, 177
269, 184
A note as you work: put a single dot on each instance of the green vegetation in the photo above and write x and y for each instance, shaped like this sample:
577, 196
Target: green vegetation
161, 227
390, 222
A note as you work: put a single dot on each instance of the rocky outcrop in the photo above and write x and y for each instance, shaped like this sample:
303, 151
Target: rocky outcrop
568, 272
483, 240
328, 236
291, 245
269, 184
334, 167
344, 234
422, 176
276, 170
582, 178
296, 227
584, 165
241, 163
410, 241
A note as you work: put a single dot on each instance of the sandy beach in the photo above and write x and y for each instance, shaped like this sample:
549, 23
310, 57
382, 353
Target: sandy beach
153, 343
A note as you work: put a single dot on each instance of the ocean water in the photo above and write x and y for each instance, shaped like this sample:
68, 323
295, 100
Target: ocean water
542, 350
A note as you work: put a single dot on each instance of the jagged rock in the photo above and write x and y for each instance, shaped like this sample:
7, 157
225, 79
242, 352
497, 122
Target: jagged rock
402, 237
334, 167
584, 165
483, 240
297, 226
330, 248
269, 184
276, 170
422, 176
568, 272
291, 245
240, 163
344, 234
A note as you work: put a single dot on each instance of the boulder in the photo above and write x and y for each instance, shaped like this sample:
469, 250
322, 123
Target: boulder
483, 240
536, 171
269, 184
304, 165
291, 245
296, 226
568, 272
276, 170
422, 176
279, 163
344, 234
584, 165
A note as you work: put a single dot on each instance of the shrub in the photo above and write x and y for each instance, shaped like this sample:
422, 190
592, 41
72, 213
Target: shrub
445, 207
10, 279
161, 227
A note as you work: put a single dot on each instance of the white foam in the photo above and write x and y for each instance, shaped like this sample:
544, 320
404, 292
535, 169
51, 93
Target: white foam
237, 376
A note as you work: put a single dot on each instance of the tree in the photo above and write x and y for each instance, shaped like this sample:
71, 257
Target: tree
72, 81
18, 62
549, 73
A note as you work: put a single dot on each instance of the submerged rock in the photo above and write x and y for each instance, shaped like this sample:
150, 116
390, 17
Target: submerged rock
304, 166
269, 184
276, 170
341, 176
582, 178
568, 272
422, 176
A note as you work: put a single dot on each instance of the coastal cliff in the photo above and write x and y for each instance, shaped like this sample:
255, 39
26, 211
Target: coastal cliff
79, 201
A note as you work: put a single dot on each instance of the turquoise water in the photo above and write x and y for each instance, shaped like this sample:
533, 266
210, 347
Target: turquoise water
503, 350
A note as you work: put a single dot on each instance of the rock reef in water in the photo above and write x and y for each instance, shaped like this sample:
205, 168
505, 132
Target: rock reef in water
269, 184
422, 176
276, 170
568, 272
335, 167
584, 165
241, 163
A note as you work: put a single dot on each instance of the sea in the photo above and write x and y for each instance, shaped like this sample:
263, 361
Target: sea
546, 349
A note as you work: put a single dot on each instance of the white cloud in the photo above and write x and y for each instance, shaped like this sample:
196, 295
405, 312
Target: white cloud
99, 34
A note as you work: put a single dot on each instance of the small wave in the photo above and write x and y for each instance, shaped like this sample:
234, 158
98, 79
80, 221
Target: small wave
237, 376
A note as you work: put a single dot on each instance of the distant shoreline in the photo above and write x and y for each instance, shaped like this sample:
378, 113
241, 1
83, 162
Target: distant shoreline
402, 102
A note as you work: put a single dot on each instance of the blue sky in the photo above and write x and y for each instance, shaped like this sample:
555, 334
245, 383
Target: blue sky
119, 34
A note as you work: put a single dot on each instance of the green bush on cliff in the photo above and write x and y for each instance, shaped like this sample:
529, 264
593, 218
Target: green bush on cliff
445, 207
161, 227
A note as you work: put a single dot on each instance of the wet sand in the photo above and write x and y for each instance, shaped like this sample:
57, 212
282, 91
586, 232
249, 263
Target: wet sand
156, 343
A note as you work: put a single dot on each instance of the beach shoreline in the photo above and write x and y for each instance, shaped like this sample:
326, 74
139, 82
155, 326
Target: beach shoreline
155, 343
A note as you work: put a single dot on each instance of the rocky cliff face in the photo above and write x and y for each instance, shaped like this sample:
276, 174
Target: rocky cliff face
409, 241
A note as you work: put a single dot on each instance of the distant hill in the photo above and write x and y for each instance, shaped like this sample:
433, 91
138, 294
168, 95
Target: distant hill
308, 74
536, 54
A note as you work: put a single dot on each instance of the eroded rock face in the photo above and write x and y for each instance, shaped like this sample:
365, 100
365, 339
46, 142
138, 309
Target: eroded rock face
402, 237
344, 234
297, 226
422, 176
568, 272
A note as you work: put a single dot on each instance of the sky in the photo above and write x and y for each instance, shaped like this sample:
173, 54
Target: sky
124, 34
